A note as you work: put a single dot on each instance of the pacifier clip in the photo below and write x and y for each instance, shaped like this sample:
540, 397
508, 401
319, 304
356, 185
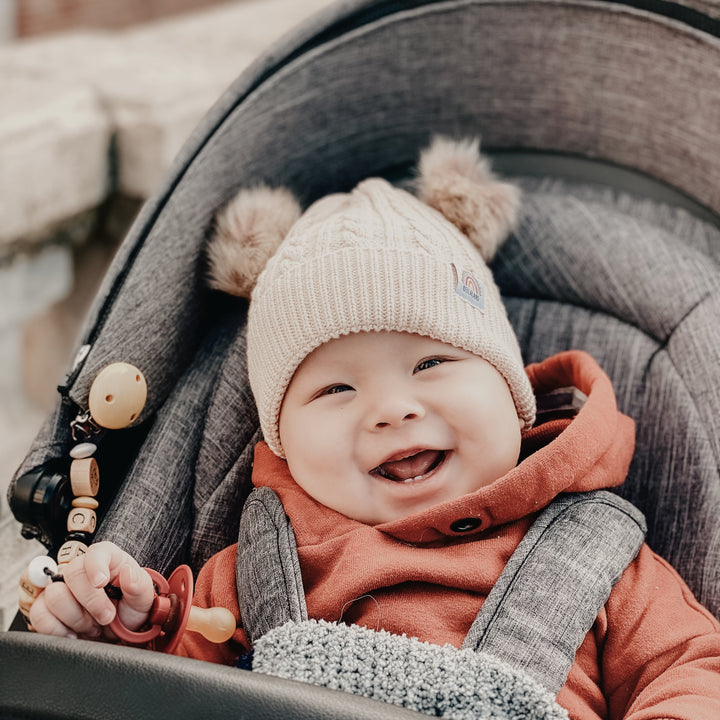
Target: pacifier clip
117, 397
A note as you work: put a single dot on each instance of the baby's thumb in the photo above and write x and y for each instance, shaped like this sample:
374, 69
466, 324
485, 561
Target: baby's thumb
138, 593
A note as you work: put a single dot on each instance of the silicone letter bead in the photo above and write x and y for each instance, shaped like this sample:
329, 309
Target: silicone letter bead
36, 570
117, 396
81, 520
84, 477
70, 550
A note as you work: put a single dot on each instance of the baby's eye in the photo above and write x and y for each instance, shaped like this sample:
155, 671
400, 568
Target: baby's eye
429, 363
333, 389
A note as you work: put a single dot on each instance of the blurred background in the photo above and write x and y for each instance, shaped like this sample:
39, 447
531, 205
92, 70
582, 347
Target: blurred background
96, 99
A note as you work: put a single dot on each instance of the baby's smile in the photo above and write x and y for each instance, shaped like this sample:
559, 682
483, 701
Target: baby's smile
410, 466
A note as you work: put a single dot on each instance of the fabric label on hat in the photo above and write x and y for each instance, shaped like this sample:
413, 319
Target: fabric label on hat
470, 289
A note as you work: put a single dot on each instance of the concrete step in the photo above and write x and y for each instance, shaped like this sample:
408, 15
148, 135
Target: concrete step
65, 96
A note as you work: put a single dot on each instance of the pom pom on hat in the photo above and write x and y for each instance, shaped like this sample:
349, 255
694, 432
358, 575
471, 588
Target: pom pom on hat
457, 181
247, 233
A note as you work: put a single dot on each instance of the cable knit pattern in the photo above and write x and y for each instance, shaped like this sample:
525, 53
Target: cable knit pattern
435, 680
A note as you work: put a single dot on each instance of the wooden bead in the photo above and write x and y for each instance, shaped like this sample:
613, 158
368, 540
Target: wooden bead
117, 396
81, 520
70, 550
85, 502
84, 477
25, 600
28, 587
83, 450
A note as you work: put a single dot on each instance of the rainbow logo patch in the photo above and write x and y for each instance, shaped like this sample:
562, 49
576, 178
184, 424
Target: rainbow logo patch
470, 289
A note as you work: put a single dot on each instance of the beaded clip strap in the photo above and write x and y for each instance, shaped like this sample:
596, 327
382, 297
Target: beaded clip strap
117, 397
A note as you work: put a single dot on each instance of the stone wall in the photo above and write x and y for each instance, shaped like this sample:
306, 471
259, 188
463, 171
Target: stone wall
91, 122
37, 17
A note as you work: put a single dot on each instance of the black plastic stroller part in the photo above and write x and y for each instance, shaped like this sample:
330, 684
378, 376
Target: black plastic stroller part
41, 497
41, 501
80, 680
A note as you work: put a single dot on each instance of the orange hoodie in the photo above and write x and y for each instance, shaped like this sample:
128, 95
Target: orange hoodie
653, 651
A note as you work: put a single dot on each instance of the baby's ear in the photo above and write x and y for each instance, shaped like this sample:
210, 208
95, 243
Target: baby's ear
247, 233
455, 179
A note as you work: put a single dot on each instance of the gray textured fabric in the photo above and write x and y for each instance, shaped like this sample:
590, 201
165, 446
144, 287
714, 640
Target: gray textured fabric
182, 497
674, 477
225, 456
639, 286
600, 268
217, 517
151, 516
268, 577
435, 680
556, 583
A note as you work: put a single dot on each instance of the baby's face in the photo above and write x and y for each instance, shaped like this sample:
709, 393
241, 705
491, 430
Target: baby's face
381, 425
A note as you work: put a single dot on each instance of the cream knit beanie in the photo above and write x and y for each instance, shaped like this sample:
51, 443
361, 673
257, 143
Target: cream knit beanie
375, 259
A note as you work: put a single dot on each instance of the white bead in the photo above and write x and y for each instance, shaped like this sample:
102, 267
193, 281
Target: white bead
36, 570
83, 450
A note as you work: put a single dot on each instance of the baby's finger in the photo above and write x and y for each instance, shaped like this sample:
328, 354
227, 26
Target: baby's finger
138, 595
57, 612
89, 595
103, 562
44, 622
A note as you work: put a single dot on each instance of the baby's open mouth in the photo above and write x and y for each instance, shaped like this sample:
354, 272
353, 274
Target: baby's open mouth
410, 468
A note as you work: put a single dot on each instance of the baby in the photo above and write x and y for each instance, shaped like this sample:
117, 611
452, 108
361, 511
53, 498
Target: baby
401, 439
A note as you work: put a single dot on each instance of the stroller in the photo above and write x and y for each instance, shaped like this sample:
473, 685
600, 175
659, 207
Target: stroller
607, 114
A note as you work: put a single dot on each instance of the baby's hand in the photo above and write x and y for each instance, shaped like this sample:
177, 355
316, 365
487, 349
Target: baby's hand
79, 607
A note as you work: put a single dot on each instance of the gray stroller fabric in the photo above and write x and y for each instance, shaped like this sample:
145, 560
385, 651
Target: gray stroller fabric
640, 286
268, 566
567, 564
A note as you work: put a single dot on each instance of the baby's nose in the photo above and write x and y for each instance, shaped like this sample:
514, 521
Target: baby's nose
394, 409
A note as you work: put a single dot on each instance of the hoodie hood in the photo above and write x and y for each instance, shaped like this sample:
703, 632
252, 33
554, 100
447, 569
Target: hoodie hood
590, 452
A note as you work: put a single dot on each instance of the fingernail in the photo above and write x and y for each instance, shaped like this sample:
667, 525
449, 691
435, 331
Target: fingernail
71, 635
101, 580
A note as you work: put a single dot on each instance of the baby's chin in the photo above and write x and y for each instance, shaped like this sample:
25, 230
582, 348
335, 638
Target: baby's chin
415, 511
387, 516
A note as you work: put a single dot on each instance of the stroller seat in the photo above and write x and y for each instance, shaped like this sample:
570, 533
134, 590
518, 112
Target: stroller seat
606, 113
